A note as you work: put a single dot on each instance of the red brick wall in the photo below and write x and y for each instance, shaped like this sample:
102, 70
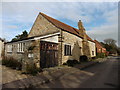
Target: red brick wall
99, 47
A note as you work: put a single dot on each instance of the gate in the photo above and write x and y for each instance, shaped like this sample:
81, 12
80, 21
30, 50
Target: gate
48, 54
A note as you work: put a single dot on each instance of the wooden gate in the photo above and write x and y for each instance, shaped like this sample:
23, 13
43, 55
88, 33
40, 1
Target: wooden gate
48, 54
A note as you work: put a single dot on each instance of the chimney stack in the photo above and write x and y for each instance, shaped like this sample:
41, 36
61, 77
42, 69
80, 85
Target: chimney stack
80, 25
82, 30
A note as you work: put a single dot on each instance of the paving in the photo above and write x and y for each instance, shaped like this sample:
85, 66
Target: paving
14, 79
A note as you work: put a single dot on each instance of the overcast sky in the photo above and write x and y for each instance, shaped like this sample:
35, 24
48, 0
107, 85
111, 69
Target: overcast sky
100, 19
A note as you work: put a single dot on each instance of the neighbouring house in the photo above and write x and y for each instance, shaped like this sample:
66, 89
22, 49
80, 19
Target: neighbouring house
100, 48
51, 43
1, 47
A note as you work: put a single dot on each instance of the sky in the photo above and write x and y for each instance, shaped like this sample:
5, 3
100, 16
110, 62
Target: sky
100, 19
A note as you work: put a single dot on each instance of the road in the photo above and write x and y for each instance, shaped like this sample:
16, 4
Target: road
101, 75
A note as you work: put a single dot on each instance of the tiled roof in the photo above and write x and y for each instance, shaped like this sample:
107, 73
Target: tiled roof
88, 38
64, 26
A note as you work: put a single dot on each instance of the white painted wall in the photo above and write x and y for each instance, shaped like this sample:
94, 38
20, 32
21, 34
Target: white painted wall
51, 39
92, 48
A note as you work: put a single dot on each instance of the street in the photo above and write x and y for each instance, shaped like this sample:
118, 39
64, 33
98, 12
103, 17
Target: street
101, 75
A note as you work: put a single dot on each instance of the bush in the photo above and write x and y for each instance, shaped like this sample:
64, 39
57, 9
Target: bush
64, 63
83, 58
100, 55
11, 62
32, 69
72, 62
93, 58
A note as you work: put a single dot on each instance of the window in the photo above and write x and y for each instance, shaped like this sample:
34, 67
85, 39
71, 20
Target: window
20, 47
67, 50
92, 52
30, 55
9, 48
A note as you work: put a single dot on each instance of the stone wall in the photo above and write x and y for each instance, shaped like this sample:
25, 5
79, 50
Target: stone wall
76, 46
86, 48
36, 52
24, 56
14, 53
42, 27
60, 43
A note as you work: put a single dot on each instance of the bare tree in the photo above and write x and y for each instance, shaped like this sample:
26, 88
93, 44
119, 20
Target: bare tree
110, 41
110, 45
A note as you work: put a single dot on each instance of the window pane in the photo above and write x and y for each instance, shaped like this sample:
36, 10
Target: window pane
67, 50
22, 47
64, 49
70, 50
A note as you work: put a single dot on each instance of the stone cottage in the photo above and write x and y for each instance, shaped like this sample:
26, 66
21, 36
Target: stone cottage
51, 43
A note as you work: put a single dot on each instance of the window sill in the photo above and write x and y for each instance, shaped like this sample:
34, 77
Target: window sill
67, 55
9, 52
20, 52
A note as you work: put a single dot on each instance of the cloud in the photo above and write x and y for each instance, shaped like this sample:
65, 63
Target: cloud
104, 32
20, 16
12, 26
108, 29
60, 0
19, 12
24, 14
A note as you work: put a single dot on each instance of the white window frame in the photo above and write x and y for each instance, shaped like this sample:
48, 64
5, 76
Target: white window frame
20, 47
17, 47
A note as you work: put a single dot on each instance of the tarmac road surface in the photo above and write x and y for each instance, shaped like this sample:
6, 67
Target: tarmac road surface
101, 75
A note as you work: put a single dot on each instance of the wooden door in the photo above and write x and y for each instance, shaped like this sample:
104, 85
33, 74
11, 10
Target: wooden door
48, 54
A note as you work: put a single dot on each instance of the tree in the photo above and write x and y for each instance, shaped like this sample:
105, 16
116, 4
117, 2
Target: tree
24, 35
110, 45
21, 36
110, 41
